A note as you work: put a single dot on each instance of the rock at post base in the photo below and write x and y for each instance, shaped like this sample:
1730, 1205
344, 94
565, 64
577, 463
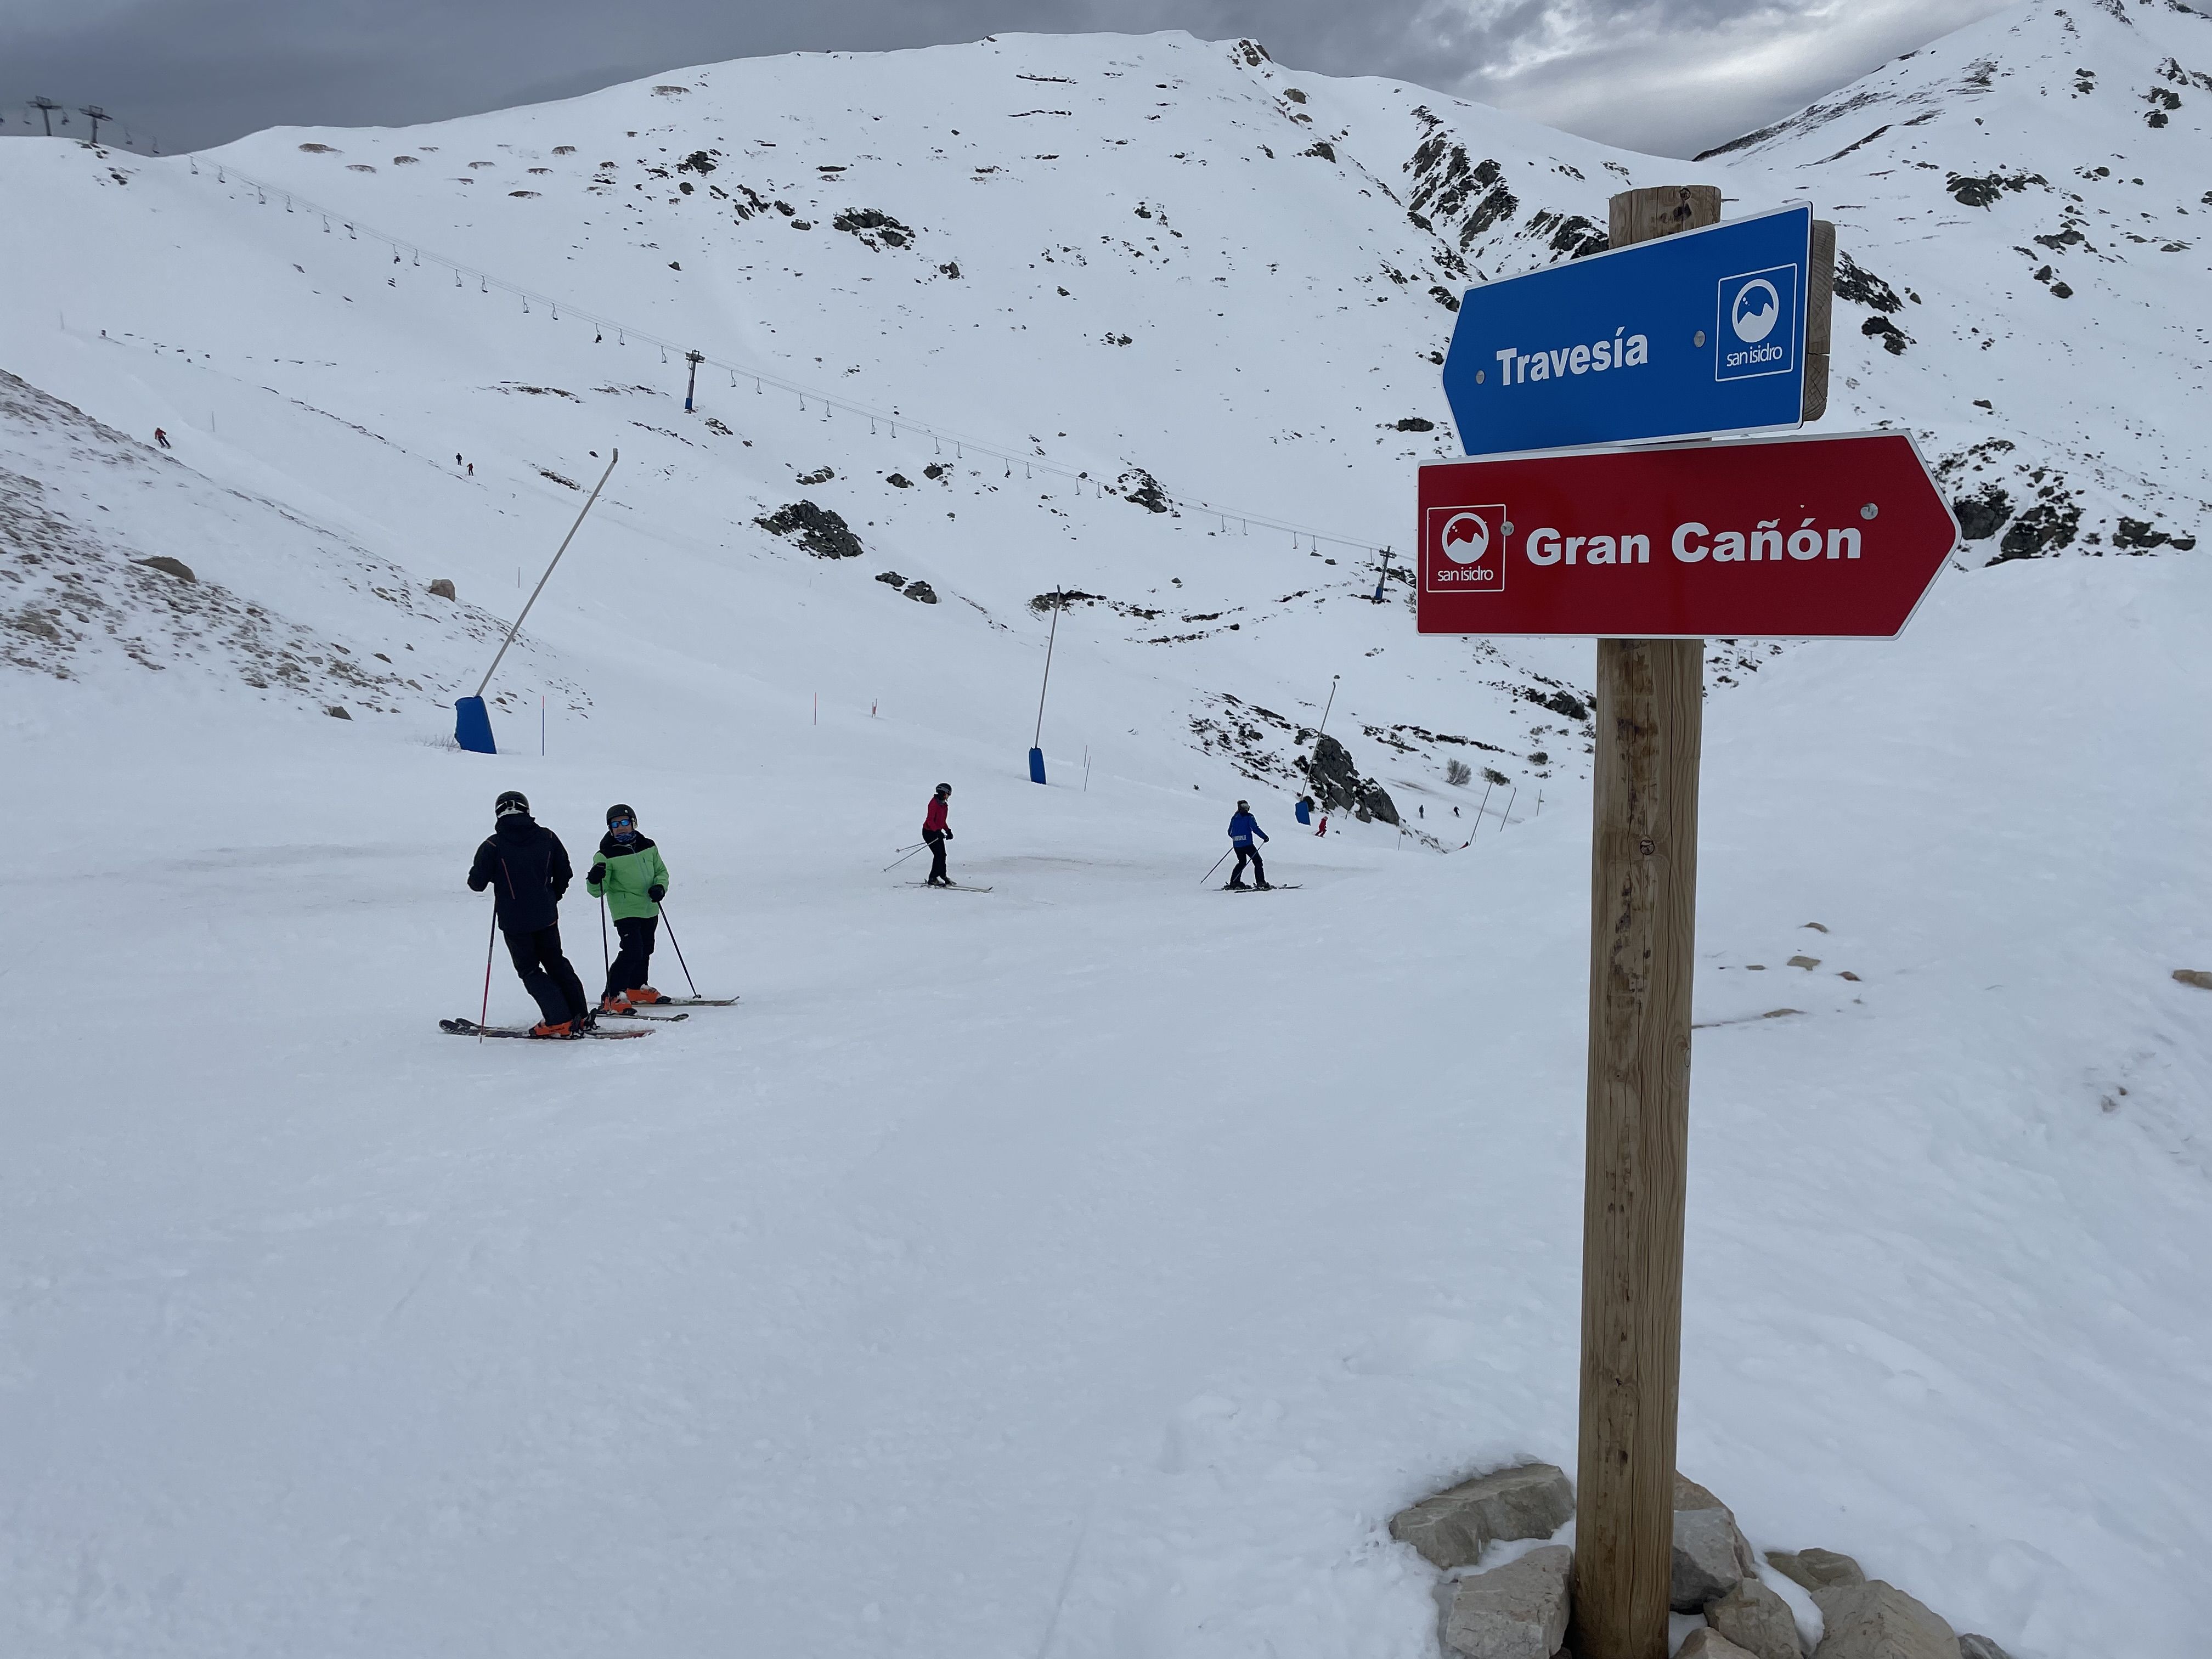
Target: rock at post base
1452, 1529
1711, 1556
1709, 1644
442, 588
1877, 1621
1816, 1569
1518, 1611
1756, 1620
1980, 1647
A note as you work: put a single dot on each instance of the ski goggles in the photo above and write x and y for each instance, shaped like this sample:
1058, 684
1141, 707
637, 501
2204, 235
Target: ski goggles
623, 823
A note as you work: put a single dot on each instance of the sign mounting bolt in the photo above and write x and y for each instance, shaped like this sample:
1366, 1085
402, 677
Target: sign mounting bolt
1868, 510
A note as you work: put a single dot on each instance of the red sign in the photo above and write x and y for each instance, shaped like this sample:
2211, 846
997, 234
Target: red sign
1807, 538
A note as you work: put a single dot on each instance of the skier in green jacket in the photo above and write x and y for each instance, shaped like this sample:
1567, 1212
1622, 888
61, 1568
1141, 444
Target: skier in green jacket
630, 875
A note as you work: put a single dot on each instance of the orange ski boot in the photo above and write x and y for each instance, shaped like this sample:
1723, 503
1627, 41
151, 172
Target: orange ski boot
554, 1029
616, 1004
644, 993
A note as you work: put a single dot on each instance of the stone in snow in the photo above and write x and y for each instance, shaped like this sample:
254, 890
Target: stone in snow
1709, 1644
1756, 1620
1452, 1529
1816, 1569
1877, 1621
1711, 1556
1518, 1611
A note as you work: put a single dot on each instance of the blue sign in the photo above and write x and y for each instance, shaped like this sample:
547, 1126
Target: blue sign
1695, 333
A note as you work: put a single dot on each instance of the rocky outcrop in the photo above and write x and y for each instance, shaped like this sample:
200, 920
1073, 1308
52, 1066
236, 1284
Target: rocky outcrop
1876, 1620
1518, 1611
1711, 1556
820, 532
1816, 1569
1709, 1644
1338, 787
1980, 1647
1453, 1528
1756, 1620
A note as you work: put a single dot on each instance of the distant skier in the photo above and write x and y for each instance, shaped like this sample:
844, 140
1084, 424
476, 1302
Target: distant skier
162, 439
1305, 809
937, 830
1241, 828
630, 875
527, 869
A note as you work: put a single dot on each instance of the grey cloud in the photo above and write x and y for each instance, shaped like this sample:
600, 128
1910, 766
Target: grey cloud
1671, 76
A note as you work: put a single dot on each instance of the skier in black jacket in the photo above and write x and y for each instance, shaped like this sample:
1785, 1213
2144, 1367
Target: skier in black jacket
527, 869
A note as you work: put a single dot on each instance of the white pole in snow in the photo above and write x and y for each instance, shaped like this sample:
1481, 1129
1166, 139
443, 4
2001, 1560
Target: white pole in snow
1037, 740
548, 576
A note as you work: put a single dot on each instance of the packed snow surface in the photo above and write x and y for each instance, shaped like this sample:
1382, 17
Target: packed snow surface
1085, 1269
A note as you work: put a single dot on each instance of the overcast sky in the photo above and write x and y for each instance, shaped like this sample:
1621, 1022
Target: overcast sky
1668, 77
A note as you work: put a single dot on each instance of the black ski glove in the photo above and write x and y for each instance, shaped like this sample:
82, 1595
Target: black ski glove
656, 892
476, 885
598, 874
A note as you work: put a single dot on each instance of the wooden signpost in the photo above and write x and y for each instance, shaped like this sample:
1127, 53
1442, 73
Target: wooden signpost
1839, 537
1650, 729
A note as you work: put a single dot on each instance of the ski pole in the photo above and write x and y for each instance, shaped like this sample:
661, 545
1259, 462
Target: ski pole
904, 856
680, 963
606, 964
484, 1013
1208, 876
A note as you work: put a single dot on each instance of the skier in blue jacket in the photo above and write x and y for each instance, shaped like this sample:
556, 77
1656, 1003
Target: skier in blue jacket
1241, 828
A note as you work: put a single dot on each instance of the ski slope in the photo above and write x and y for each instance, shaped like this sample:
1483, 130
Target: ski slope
1086, 1269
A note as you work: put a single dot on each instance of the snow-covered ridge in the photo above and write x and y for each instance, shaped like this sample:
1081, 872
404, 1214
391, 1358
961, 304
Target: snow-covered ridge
2024, 210
144, 560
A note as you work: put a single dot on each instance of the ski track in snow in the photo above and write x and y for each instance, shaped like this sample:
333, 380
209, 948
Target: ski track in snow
1088, 1270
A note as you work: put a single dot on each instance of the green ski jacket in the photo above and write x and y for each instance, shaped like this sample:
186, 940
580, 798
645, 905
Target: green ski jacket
630, 870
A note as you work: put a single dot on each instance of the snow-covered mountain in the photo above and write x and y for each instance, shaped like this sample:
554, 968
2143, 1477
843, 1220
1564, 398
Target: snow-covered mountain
2025, 208
1081, 1269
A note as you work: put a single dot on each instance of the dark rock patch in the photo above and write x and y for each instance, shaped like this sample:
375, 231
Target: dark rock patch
1983, 514
820, 532
874, 227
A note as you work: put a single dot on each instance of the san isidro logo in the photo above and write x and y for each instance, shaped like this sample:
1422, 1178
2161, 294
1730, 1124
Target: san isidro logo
1755, 331
1464, 550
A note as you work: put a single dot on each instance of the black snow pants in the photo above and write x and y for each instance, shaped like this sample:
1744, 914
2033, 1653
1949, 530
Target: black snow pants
1258, 870
936, 839
546, 974
632, 964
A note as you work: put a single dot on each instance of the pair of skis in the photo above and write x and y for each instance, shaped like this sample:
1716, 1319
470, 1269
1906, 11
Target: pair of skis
470, 1028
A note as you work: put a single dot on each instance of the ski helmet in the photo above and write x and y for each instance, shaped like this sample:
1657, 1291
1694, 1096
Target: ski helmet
1243, 805
944, 789
618, 811
513, 800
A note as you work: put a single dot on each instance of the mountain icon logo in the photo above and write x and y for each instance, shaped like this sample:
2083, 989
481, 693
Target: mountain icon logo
1756, 309
1466, 539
